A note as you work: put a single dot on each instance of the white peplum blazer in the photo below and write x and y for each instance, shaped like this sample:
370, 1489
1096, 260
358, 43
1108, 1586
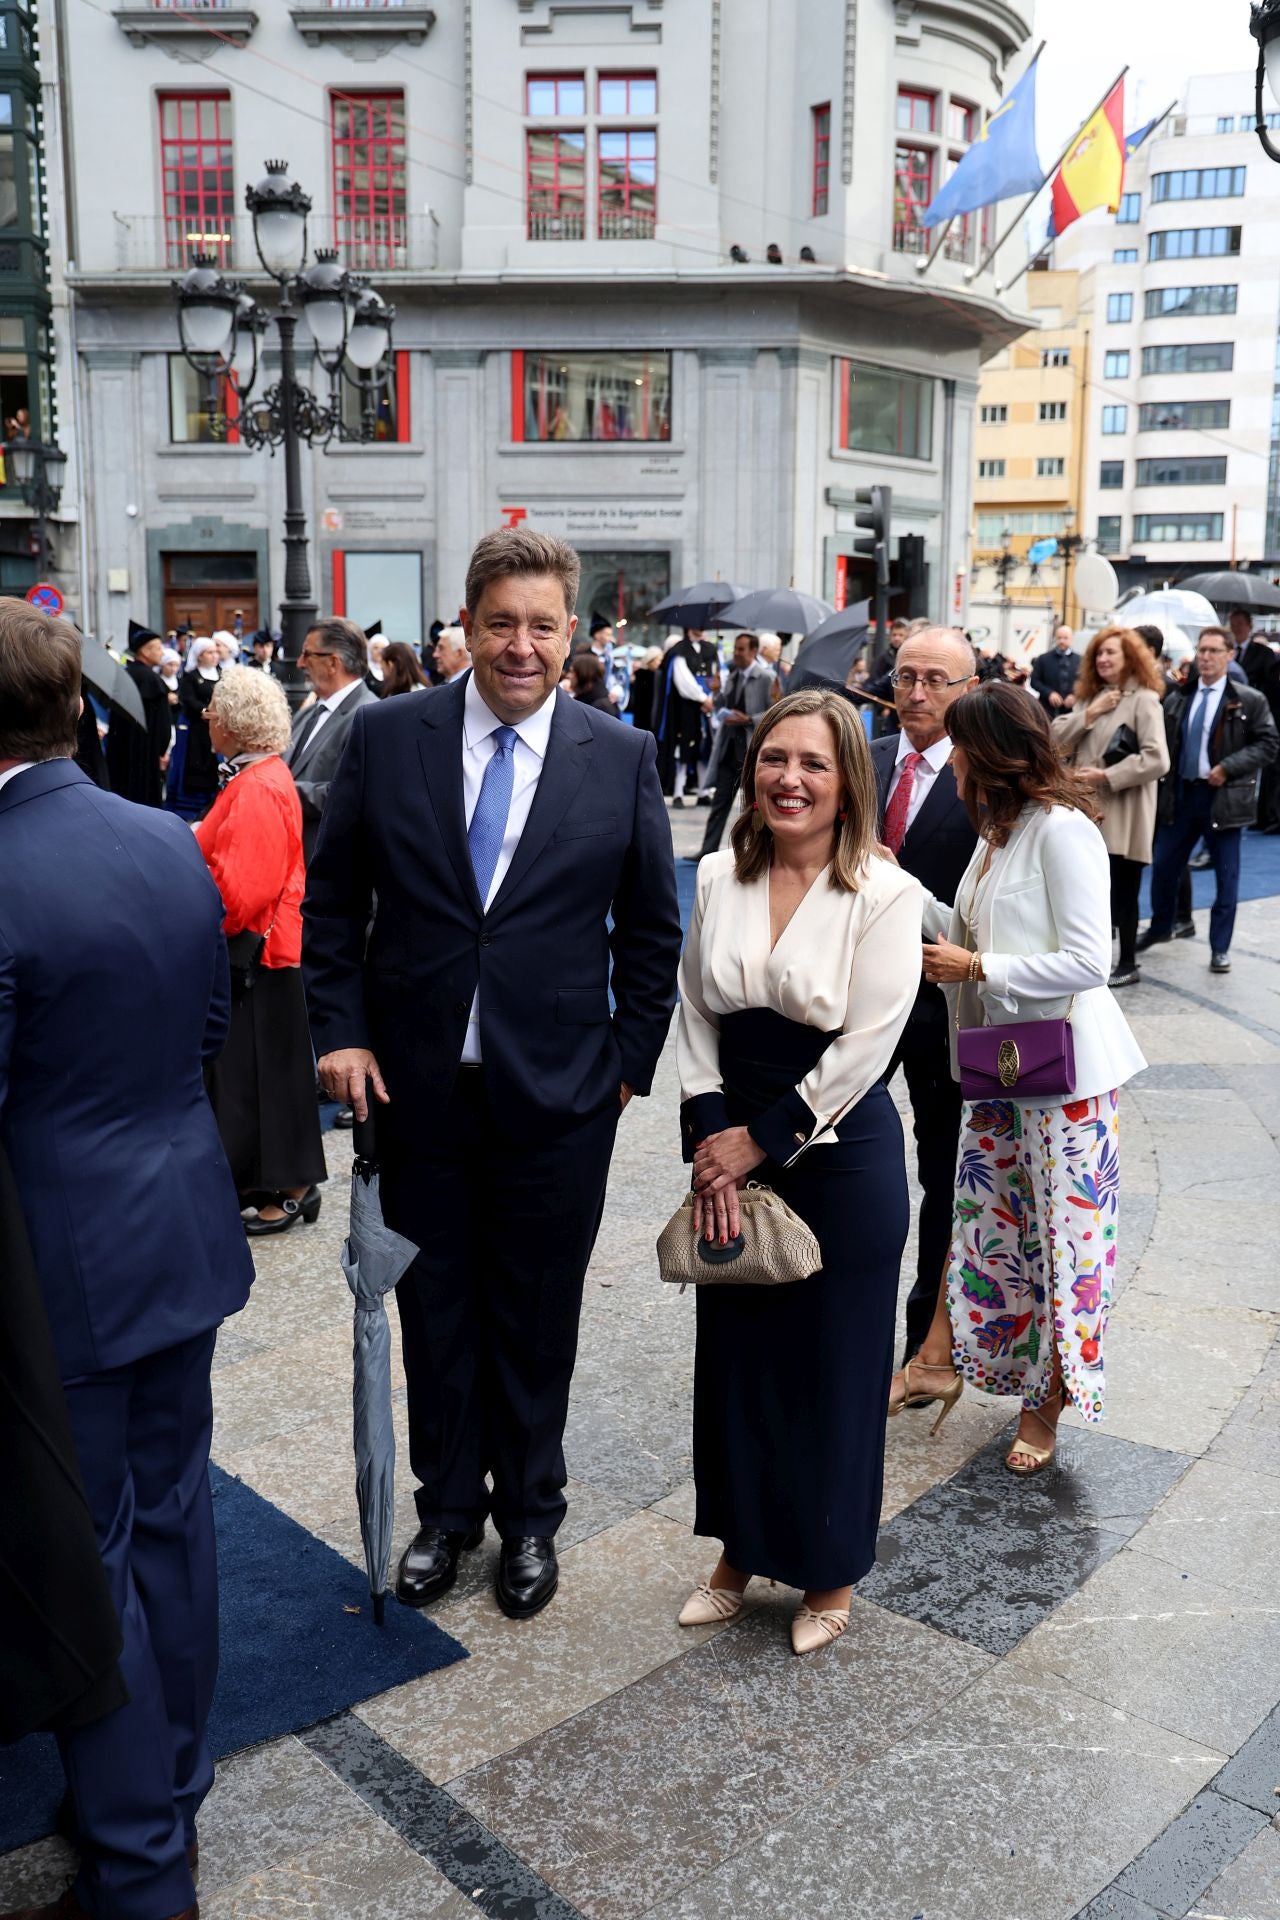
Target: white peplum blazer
846, 963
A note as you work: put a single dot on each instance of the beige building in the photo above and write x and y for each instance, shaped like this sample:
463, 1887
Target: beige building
1029, 452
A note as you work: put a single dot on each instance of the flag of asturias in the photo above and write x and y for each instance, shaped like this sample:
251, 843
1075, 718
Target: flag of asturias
1092, 174
1001, 162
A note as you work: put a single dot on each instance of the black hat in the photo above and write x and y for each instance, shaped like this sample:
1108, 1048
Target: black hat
139, 636
262, 638
374, 632
598, 624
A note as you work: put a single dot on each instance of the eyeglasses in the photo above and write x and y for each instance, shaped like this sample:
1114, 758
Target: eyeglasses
313, 653
904, 678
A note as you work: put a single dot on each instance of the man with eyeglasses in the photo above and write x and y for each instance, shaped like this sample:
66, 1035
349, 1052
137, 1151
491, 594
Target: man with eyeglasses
924, 824
335, 659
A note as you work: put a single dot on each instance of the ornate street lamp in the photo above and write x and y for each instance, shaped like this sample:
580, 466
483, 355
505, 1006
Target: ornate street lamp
1264, 25
38, 472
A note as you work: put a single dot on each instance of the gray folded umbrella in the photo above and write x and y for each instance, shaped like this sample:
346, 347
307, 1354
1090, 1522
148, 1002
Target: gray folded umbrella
103, 672
374, 1258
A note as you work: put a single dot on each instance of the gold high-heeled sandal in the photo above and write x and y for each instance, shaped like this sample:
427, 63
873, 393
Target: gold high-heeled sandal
708, 1604
921, 1396
1040, 1457
810, 1630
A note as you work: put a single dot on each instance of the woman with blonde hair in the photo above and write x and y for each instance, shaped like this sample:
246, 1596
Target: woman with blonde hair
1114, 737
262, 1085
801, 965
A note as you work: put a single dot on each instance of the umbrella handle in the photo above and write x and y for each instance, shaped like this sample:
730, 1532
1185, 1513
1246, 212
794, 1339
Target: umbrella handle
364, 1133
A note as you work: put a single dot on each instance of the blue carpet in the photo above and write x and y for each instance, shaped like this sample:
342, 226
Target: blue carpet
291, 1654
1259, 874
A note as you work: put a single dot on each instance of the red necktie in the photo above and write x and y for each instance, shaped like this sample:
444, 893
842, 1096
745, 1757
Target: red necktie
895, 819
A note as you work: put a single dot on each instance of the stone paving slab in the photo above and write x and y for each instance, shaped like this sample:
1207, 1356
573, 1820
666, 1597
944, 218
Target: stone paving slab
1249, 1889
1220, 1524
1252, 1776
1191, 1853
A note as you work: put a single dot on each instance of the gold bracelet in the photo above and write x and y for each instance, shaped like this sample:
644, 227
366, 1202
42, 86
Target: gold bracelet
975, 966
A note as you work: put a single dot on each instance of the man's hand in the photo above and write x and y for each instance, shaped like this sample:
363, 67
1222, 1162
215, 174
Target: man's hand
1217, 776
625, 1093
1055, 699
343, 1074
734, 718
708, 704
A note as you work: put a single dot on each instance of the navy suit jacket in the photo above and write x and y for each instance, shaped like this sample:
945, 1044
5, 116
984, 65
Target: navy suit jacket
114, 989
936, 848
592, 878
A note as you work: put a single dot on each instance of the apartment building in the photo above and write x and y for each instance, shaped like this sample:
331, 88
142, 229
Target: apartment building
654, 270
26, 346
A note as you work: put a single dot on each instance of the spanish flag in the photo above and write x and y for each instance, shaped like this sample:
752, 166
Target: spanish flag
1092, 174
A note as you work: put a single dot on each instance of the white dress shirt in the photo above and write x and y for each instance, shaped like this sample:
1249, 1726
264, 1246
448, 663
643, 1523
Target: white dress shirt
330, 704
479, 724
934, 760
11, 772
1209, 698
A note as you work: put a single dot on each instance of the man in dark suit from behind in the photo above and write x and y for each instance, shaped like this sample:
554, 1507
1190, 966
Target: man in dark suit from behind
335, 659
1055, 671
518, 847
924, 823
114, 990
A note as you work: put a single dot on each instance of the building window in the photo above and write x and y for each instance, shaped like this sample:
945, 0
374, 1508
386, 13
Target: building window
1050, 468
1119, 307
381, 586
1199, 183
197, 176
1183, 473
917, 112
1226, 123
1053, 409
556, 184
1055, 356
369, 227
26, 357
1205, 356
549, 95
991, 469
994, 416
1129, 211
821, 158
1115, 366
912, 192
627, 184
1125, 256
1162, 303
1108, 533
1115, 419
993, 526
189, 416
590, 396
1111, 473
388, 405
621, 93
1165, 416
1157, 527
884, 411
962, 122
1192, 243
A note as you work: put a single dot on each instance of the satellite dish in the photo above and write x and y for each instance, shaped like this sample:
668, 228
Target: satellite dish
1096, 585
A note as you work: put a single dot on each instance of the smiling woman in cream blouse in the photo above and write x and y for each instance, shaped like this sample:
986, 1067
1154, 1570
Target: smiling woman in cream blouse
800, 968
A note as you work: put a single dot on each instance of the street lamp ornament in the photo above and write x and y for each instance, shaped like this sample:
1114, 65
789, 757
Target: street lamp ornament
279, 208
1264, 25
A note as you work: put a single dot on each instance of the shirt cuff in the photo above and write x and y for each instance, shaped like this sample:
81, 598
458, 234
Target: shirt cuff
703, 1114
995, 971
785, 1129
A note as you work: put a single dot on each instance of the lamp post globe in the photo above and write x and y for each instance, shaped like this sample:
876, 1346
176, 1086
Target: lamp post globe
323, 291
206, 310
1264, 25
279, 208
369, 337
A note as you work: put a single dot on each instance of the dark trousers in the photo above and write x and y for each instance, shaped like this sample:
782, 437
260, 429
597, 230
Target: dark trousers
728, 774
925, 1058
1126, 879
1173, 848
137, 1777
489, 1313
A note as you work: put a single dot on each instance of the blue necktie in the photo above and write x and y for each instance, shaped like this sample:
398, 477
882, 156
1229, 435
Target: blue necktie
489, 821
1192, 737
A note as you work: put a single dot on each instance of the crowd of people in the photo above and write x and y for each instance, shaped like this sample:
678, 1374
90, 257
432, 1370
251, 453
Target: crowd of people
446, 892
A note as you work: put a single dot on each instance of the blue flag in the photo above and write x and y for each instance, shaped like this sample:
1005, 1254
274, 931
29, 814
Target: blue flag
1001, 162
1132, 141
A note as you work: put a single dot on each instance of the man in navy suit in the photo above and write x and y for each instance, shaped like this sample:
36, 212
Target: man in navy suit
924, 823
113, 991
516, 844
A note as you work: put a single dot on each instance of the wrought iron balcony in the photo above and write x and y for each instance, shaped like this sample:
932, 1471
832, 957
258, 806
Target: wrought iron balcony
391, 243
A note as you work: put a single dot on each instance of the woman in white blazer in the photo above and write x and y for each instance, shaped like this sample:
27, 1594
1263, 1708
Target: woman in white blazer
1033, 1245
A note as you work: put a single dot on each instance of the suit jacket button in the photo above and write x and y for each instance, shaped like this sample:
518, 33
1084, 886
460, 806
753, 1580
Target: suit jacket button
460, 1006
485, 939
801, 1137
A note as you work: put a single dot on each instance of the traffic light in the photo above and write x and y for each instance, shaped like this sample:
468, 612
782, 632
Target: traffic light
873, 506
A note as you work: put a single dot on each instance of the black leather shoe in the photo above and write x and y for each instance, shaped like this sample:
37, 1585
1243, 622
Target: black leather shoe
429, 1564
1184, 929
1220, 963
291, 1211
528, 1575
1150, 938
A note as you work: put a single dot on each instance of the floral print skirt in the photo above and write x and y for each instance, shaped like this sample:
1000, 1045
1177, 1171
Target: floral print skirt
1033, 1246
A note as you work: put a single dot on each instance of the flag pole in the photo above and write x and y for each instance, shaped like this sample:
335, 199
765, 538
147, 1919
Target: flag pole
923, 266
990, 255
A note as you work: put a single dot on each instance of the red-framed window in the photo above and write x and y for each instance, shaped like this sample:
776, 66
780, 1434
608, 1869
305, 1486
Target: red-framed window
567, 397
627, 185
917, 111
621, 93
556, 184
550, 94
197, 176
912, 192
821, 158
369, 200
962, 121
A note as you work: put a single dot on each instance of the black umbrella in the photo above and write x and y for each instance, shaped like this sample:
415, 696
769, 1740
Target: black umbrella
698, 606
1231, 589
778, 610
831, 649
103, 672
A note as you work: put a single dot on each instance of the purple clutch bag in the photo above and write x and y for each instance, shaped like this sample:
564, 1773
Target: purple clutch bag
1017, 1062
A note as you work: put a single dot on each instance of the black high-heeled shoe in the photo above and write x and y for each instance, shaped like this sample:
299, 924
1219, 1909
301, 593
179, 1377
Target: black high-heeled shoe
307, 1208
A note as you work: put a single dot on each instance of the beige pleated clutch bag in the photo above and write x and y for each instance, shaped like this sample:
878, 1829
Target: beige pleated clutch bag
774, 1246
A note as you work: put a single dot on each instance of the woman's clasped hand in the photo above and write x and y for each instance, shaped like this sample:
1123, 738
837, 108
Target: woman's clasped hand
721, 1165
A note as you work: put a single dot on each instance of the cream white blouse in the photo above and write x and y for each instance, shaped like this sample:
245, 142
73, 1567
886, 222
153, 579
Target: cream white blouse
846, 962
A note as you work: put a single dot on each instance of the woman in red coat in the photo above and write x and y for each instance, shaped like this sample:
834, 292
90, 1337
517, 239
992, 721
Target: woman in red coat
263, 1085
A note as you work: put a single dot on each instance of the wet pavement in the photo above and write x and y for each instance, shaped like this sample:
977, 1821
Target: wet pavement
1055, 1699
